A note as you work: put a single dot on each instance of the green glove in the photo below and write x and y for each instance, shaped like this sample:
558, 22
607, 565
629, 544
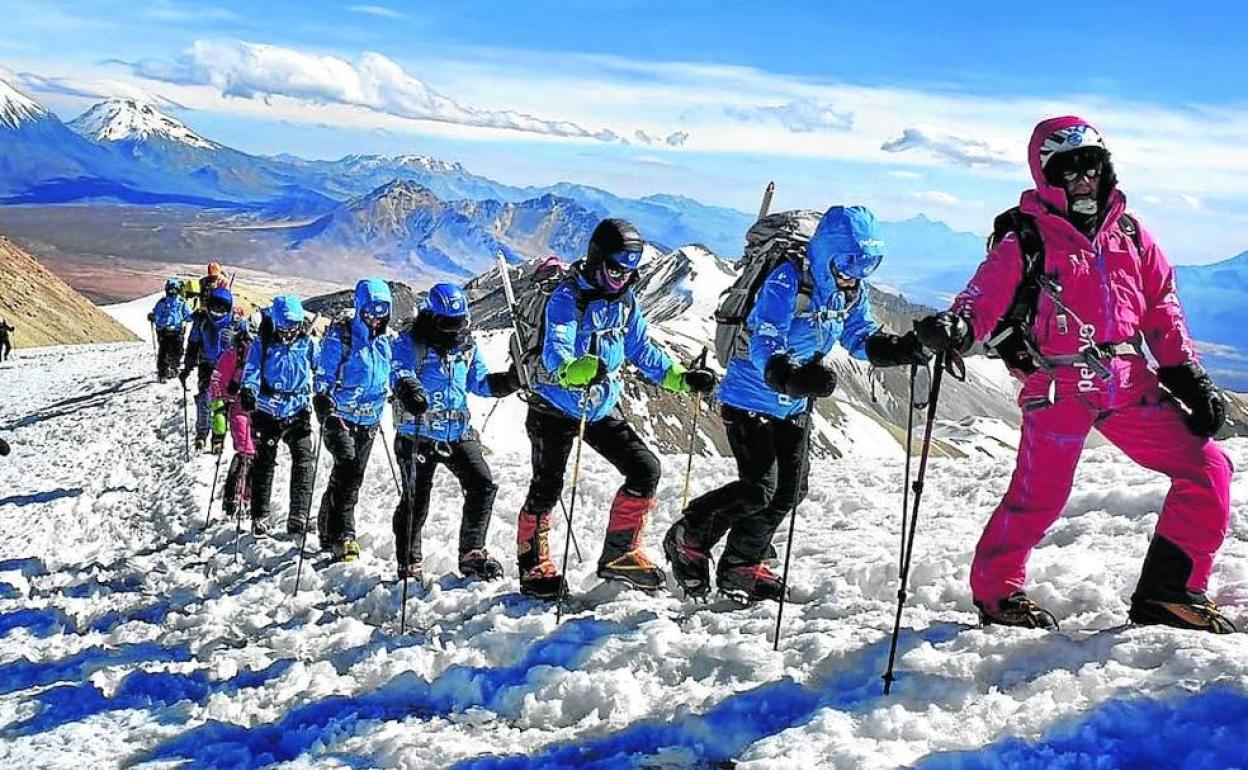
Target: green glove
578, 372
674, 379
218, 416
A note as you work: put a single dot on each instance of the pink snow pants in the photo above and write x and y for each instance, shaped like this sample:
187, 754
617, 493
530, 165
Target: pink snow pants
240, 431
1150, 430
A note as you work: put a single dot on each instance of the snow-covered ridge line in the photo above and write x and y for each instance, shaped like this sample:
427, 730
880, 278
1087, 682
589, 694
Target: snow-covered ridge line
16, 108
121, 120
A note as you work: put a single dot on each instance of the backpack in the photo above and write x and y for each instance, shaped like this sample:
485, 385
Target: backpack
1013, 340
529, 317
770, 242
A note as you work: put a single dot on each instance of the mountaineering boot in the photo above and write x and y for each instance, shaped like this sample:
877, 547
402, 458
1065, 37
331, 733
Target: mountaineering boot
691, 566
622, 556
346, 550
218, 444
772, 557
538, 575
259, 528
1017, 609
477, 564
201, 443
412, 571
749, 582
1163, 598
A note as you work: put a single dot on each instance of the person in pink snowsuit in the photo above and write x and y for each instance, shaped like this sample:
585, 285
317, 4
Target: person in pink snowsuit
1108, 292
223, 390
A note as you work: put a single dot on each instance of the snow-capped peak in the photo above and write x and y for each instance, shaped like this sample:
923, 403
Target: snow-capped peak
16, 108
118, 120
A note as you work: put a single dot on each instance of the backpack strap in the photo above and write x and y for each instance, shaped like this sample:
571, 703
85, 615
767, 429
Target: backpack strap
344, 334
1128, 225
1013, 339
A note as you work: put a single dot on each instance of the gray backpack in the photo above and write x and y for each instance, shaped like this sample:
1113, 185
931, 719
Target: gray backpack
773, 240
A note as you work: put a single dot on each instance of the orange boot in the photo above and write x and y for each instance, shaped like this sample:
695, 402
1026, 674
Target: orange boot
622, 555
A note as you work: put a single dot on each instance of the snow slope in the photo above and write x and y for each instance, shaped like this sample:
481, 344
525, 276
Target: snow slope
116, 649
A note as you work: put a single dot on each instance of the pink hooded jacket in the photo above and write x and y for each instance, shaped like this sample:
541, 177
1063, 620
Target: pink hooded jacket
1118, 292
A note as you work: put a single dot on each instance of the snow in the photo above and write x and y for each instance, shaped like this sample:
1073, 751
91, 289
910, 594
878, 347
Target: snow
131, 636
117, 120
133, 314
16, 108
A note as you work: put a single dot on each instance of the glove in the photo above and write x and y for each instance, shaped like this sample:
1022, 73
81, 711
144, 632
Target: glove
182, 375
580, 372
232, 387
151, 318
247, 400
323, 405
701, 380
503, 384
809, 379
945, 331
1190, 384
412, 397
217, 406
892, 350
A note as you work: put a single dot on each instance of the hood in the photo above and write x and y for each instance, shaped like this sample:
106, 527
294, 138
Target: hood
848, 239
221, 294
287, 311
1055, 197
370, 291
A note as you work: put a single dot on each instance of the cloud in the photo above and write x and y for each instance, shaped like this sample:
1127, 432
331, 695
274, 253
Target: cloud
377, 10
373, 81
904, 174
938, 197
962, 150
1191, 201
93, 88
676, 139
177, 13
800, 116
653, 160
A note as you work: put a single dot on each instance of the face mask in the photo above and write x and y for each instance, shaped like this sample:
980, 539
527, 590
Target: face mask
1084, 205
613, 277
287, 334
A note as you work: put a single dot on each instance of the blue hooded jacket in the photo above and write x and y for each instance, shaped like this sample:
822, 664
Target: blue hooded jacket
281, 374
777, 325
615, 330
171, 313
210, 338
447, 379
357, 375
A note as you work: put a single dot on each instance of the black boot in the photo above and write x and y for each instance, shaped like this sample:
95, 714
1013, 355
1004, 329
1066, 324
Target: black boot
259, 528
1162, 597
691, 566
749, 582
479, 565
1017, 609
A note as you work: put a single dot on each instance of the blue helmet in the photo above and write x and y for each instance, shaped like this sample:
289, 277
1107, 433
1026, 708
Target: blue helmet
287, 311
173, 285
447, 300
846, 243
373, 298
220, 302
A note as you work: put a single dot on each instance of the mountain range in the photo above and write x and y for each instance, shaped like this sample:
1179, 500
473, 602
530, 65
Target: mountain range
424, 219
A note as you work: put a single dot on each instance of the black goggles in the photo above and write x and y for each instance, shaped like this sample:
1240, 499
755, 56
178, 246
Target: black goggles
286, 334
449, 324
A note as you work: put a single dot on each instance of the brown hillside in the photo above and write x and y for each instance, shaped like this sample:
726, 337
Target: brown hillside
44, 309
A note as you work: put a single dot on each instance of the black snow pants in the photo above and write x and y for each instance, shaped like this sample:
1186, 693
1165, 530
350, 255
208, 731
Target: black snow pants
350, 445
769, 453
552, 435
296, 432
418, 461
168, 352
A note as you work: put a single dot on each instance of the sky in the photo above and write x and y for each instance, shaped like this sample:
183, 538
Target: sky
907, 107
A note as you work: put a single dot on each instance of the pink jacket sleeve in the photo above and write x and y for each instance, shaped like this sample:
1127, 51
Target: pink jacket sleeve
227, 364
989, 293
1162, 322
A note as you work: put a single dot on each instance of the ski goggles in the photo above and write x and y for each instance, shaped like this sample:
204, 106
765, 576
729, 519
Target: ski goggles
1069, 167
287, 334
450, 324
375, 311
627, 261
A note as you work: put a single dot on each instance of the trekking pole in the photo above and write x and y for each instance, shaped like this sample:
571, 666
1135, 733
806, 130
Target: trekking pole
408, 507
576, 477
908, 544
152, 325
307, 512
212, 493
905, 487
411, 520
698, 362
186, 427
239, 478
766, 206
788, 545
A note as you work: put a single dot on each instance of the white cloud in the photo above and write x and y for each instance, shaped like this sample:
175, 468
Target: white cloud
653, 160
1191, 201
962, 150
93, 88
373, 81
180, 13
377, 10
904, 174
937, 197
800, 116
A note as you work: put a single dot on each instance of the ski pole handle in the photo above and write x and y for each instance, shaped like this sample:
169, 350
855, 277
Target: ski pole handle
765, 208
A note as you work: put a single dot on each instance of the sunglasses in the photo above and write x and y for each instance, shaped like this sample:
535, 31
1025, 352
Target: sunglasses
1091, 172
450, 323
376, 310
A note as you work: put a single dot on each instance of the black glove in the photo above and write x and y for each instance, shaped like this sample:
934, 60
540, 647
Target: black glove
892, 350
247, 400
1190, 384
701, 380
323, 405
151, 318
232, 388
182, 375
503, 384
945, 331
809, 379
412, 397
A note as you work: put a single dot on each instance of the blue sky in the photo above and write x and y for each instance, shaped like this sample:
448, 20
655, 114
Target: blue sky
707, 99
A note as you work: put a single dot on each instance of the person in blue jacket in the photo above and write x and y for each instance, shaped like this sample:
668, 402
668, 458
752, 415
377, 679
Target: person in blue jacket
593, 323
436, 365
277, 389
766, 396
169, 319
352, 384
212, 333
